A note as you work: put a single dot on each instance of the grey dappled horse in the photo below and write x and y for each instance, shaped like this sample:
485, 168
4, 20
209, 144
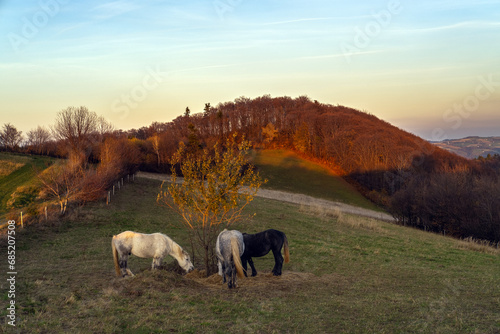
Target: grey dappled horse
228, 248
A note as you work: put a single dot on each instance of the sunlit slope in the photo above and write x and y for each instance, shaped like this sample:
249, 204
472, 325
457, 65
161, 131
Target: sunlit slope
15, 171
286, 171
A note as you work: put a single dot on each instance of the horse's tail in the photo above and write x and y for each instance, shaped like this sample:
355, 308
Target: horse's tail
235, 250
115, 256
285, 249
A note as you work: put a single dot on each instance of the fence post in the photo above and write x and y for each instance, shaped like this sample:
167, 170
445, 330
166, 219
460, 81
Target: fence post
113, 189
22, 224
122, 181
46, 213
108, 199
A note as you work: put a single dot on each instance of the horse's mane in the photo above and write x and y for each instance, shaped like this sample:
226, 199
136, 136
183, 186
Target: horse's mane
175, 246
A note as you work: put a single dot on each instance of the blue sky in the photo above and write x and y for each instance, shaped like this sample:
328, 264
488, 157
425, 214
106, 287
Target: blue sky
429, 67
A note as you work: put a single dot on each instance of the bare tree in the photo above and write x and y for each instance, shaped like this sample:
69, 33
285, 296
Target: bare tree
104, 127
38, 138
62, 182
77, 127
10, 138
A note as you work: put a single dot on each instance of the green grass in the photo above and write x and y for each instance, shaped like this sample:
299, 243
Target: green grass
347, 274
21, 176
286, 171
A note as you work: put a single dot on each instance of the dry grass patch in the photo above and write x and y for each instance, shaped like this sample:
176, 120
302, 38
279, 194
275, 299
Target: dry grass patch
343, 218
7, 167
482, 246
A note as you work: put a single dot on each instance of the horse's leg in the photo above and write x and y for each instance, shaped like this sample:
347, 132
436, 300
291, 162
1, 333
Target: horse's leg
244, 265
223, 266
254, 271
122, 262
156, 263
232, 281
278, 262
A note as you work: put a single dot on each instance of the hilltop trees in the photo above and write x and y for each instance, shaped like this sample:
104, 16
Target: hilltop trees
217, 185
10, 137
37, 140
79, 129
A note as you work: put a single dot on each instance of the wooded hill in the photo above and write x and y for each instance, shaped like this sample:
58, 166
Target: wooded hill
422, 185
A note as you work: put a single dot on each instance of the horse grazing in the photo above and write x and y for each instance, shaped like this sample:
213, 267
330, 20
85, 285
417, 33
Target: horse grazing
155, 246
259, 244
228, 247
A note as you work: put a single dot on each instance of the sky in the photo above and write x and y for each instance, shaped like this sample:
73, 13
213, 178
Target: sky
429, 67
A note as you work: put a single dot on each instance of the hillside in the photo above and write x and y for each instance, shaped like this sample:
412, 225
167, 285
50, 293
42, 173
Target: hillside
347, 274
15, 171
471, 147
287, 171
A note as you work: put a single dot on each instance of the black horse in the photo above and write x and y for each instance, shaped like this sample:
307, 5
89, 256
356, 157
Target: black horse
259, 244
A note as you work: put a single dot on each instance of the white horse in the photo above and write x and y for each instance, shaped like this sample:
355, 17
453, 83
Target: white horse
228, 249
156, 246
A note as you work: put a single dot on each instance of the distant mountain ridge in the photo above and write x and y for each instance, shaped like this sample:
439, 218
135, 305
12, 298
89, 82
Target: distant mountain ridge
471, 147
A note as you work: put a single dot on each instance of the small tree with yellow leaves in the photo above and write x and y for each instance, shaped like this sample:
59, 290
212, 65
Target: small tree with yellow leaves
215, 189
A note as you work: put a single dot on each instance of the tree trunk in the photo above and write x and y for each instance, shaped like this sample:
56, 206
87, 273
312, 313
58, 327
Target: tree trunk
207, 260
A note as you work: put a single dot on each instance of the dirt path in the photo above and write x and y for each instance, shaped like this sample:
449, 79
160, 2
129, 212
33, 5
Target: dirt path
298, 199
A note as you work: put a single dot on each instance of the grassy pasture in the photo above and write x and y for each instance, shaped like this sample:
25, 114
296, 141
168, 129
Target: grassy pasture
347, 274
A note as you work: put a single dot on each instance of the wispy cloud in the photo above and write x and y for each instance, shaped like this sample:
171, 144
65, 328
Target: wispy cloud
331, 18
114, 8
341, 55
458, 25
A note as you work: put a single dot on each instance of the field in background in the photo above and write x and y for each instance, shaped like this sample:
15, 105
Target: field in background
471, 147
347, 274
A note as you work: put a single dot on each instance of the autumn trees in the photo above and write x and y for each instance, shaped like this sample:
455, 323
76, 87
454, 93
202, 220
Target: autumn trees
386, 163
82, 133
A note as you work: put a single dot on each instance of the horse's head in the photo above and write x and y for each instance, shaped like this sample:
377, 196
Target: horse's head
185, 262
